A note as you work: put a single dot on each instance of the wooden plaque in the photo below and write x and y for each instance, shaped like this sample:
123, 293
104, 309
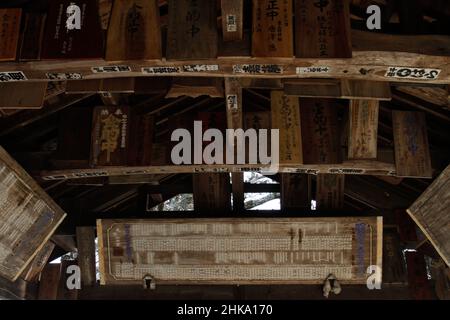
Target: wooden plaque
232, 20
330, 191
25, 95
28, 218
110, 136
322, 29
431, 213
192, 32
211, 192
286, 118
9, 33
363, 131
412, 154
239, 251
134, 31
295, 191
141, 140
63, 43
33, 33
320, 133
272, 34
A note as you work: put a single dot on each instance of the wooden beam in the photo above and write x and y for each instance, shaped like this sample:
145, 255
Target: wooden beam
431, 214
86, 255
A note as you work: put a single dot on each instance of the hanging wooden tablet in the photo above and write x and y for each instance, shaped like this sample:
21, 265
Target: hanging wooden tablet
9, 33
272, 34
363, 132
28, 218
110, 136
134, 31
192, 32
330, 191
212, 192
78, 36
322, 29
33, 33
286, 118
295, 191
232, 20
320, 134
412, 153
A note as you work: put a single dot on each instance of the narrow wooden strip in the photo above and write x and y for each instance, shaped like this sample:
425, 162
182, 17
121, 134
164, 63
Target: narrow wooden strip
363, 132
211, 192
86, 255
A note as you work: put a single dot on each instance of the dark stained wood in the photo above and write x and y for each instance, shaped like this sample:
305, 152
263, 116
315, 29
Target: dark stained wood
48, 284
196, 87
419, 285
110, 136
134, 31
212, 192
322, 29
330, 191
412, 154
295, 191
363, 131
60, 43
272, 33
86, 255
319, 131
232, 19
9, 33
192, 31
33, 33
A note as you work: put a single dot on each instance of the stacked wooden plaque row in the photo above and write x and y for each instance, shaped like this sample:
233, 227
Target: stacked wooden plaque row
73, 29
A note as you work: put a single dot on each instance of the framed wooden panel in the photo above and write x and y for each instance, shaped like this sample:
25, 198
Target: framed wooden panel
134, 31
239, 251
322, 29
9, 33
431, 213
363, 131
412, 153
192, 31
286, 118
28, 218
273, 33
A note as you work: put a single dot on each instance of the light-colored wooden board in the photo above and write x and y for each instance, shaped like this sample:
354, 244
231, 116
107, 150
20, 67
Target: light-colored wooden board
370, 90
192, 31
313, 88
323, 29
412, 154
113, 85
286, 118
28, 217
232, 20
363, 129
431, 213
26, 95
330, 191
9, 33
134, 31
272, 31
239, 251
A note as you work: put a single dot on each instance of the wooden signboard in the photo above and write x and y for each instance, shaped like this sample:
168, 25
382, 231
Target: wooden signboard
60, 42
192, 32
110, 136
25, 95
322, 29
412, 154
320, 133
272, 34
212, 192
295, 191
239, 251
134, 31
330, 191
9, 33
28, 218
33, 33
141, 140
363, 131
232, 20
431, 213
286, 118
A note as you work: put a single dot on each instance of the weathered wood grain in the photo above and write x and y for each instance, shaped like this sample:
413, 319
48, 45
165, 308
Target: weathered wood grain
192, 32
295, 191
272, 34
323, 29
244, 251
28, 218
431, 213
286, 118
134, 31
363, 131
412, 154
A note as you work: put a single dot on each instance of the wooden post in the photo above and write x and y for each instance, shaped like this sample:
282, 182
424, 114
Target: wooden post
86, 255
